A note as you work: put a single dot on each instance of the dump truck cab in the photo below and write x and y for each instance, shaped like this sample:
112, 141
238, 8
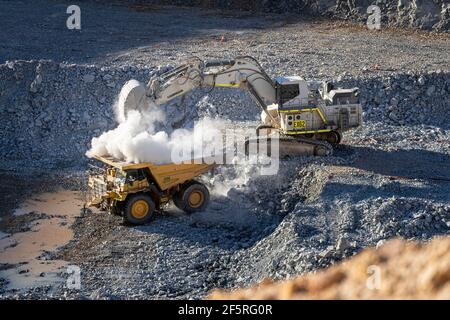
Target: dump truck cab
138, 191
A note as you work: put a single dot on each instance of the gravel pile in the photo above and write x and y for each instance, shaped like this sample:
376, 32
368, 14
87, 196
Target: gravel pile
406, 99
330, 215
51, 109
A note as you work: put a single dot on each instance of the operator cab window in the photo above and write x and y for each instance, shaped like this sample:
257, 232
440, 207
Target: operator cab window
134, 175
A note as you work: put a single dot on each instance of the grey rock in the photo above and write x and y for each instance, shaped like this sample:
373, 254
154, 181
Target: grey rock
421, 80
380, 243
35, 85
89, 78
343, 244
328, 252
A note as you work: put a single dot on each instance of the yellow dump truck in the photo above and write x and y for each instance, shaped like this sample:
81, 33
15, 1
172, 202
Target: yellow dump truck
137, 190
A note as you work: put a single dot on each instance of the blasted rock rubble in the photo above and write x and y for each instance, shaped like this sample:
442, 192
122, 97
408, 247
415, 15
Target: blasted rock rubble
389, 178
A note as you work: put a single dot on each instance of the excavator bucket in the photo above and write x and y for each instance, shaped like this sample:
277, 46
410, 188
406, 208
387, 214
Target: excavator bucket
303, 147
132, 97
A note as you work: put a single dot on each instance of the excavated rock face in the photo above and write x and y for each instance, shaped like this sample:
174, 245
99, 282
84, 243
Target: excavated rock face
429, 15
421, 14
395, 270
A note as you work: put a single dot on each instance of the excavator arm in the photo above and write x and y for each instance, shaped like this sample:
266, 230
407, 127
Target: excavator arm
242, 72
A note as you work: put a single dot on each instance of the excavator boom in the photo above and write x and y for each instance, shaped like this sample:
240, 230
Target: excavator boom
242, 72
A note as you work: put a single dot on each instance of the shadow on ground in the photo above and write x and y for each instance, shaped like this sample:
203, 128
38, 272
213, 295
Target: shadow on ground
412, 164
37, 29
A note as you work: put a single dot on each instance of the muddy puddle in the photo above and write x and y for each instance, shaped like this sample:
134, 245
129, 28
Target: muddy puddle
24, 256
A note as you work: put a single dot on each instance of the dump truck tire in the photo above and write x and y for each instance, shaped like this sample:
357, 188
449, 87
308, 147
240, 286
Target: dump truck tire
194, 197
177, 198
139, 209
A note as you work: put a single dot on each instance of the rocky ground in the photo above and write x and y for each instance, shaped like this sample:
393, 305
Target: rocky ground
389, 178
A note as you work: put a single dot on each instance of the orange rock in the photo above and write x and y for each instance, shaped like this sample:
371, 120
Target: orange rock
397, 270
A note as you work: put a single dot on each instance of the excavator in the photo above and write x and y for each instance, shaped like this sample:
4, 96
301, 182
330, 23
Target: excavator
306, 118
309, 116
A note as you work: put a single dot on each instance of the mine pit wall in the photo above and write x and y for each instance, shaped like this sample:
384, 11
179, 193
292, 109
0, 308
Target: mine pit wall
49, 112
426, 14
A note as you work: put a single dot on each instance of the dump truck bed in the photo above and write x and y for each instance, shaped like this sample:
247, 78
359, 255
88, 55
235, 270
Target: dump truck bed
123, 165
166, 176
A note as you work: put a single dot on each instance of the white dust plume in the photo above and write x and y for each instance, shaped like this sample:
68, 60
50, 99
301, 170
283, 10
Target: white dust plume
136, 140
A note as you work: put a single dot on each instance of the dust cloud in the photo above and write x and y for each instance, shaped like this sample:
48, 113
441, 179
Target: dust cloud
135, 139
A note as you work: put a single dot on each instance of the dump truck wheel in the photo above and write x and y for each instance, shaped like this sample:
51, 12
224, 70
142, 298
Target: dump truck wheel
139, 209
192, 198
177, 197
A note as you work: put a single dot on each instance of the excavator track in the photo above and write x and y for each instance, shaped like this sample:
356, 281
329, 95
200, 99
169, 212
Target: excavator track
304, 146
293, 146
